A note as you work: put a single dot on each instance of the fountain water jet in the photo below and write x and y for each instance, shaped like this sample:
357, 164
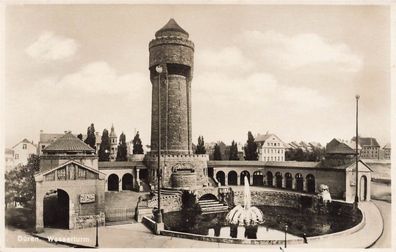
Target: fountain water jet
246, 215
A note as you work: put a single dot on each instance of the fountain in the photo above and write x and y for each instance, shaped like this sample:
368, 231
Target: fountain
246, 215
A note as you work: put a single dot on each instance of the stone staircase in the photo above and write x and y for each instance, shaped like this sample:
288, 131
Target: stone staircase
167, 192
212, 206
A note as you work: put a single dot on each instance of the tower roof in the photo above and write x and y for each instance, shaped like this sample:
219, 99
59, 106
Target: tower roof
171, 27
68, 143
112, 132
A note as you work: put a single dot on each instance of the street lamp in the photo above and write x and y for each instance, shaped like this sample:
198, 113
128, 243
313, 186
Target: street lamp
357, 151
285, 235
159, 70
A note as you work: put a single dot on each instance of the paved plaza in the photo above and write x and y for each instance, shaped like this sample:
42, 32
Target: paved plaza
144, 238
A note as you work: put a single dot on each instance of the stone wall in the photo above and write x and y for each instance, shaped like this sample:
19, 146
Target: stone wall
168, 164
73, 188
88, 221
175, 94
169, 203
184, 180
271, 198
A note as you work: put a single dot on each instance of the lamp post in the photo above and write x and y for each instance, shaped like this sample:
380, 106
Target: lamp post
159, 214
286, 235
357, 151
97, 234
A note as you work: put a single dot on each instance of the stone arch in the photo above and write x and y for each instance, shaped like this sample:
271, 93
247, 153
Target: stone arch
232, 178
310, 183
113, 182
258, 178
208, 196
299, 182
289, 181
243, 175
278, 179
270, 179
56, 209
220, 176
127, 182
363, 188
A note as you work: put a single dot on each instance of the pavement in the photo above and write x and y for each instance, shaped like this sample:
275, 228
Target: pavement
136, 235
17, 238
385, 241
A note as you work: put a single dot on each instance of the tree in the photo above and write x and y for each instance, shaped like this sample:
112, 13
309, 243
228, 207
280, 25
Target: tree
217, 153
201, 146
250, 148
20, 185
122, 151
91, 138
234, 151
137, 145
104, 149
300, 155
80, 136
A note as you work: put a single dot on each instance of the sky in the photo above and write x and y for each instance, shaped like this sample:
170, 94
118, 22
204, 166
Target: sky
289, 70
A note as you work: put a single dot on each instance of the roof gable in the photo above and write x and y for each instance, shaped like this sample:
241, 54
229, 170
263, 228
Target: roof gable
39, 175
362, 166
268, 137
24, 141
336, 146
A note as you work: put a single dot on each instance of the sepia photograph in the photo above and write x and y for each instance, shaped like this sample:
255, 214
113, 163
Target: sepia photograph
205, 125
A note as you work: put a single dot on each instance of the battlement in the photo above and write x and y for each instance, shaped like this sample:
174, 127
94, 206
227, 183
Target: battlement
171, 40
151, 155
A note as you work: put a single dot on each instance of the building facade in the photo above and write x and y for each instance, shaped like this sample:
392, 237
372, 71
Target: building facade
22, 151
270, 148
69, 186
387, 151
370, 147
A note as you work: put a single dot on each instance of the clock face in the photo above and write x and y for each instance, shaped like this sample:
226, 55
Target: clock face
158, 69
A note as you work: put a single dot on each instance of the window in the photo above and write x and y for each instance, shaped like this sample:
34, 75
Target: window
16, 156
24, 146
42, 146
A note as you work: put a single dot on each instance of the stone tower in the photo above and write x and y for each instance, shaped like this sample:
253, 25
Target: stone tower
172, 50
174, 53
113, 144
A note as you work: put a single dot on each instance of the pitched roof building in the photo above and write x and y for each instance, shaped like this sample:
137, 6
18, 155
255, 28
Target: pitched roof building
387, 151
270, 147
22, 151
370, 147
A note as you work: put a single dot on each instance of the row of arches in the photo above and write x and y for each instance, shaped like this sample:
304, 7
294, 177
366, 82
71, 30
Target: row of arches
287, 181
113, 182
127, 181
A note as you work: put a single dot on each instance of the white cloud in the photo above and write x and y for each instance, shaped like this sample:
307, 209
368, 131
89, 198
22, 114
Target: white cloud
50, 47
257, 90
100, 78
227, 58
306, 49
